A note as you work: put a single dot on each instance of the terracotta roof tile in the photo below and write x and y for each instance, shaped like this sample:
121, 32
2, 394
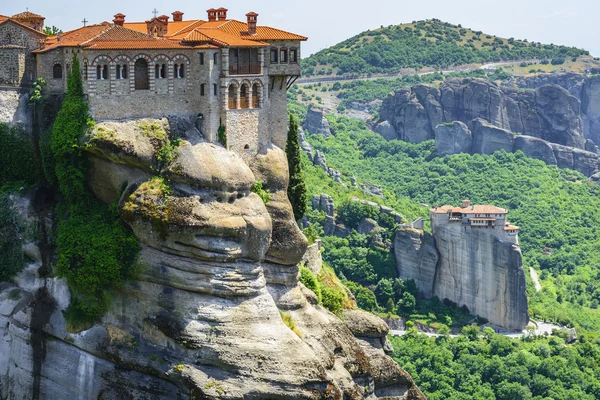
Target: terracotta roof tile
27, 15
30, 29
475, 209
173, 28
118, 37
221, 38
3, 17
238, 28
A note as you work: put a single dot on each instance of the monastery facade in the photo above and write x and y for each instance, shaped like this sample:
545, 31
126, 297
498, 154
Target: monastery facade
220, 71
490, 218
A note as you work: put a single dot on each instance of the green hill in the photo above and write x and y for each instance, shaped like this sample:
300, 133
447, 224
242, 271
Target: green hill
431, 43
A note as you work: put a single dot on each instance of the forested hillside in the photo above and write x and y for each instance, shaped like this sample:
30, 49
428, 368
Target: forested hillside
430, 43
558, 210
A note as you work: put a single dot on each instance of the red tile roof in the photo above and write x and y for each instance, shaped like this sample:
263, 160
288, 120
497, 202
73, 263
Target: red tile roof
10, 20
475, 209
3, 17
27, 15
180, 34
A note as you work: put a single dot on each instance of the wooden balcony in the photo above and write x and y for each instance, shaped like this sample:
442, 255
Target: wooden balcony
244, 103
232, 103
245, 69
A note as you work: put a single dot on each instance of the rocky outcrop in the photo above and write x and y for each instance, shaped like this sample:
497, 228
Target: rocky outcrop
323, 202
470, 267
315, 121
14, 109
584, 88
478, 117
453, 138
203, 320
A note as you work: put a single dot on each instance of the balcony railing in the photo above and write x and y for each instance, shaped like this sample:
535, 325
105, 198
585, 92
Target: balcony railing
245, 69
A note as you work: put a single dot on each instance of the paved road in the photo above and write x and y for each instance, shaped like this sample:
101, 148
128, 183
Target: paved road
542, 328
325, 79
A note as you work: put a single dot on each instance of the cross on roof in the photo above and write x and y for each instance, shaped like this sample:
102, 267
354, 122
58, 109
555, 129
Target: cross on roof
155, 12
85, 21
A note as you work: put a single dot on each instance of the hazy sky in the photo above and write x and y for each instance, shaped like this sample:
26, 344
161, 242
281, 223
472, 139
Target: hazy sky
327, 22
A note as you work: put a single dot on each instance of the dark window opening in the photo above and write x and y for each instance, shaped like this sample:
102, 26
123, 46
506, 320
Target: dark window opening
293, 56
232, 97
85, 71
57, 72
215, 89
202, 89
201, 58
284, 56
141, 74
274, 56
216, 58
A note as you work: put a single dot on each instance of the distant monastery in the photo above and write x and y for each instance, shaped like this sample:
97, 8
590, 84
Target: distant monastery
220, 70
490, 218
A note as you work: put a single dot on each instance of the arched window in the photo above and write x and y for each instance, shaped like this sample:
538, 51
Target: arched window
141, 74
121, 71
98, 72
57, 72
256, 96
160, 71
244, 98
102, 72
178, 71
232, 94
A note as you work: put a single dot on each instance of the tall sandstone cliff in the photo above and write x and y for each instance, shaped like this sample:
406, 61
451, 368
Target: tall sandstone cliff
468, 267
556, 119
203, 320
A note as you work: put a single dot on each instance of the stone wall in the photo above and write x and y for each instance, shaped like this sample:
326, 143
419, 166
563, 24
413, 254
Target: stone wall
17, 64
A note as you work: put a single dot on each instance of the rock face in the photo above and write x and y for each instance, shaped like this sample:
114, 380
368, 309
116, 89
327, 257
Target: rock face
14, 109
315, 122
453, 138
586, 89
416, 258
469, 267
203, 319
478, 117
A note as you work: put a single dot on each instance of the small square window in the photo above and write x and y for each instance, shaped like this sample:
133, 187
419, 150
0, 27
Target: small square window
293, 56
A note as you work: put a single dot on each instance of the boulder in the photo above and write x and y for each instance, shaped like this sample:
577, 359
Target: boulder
386, 130
488, 138
535, 148
323, 202
315, 121
364, 324
367, 226
453, 138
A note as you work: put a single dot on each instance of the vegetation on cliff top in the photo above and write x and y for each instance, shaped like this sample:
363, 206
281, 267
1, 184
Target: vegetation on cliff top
425, 43
96, 252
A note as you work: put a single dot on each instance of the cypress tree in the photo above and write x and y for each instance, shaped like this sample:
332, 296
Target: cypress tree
297, 186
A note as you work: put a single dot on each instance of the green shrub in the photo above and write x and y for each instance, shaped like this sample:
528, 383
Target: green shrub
309, 280
17, 157
288, 320
332, 299
263, 194
12, 259
222, 135
96, 252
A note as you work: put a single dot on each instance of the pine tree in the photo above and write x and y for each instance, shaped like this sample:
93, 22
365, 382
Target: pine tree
297, 186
